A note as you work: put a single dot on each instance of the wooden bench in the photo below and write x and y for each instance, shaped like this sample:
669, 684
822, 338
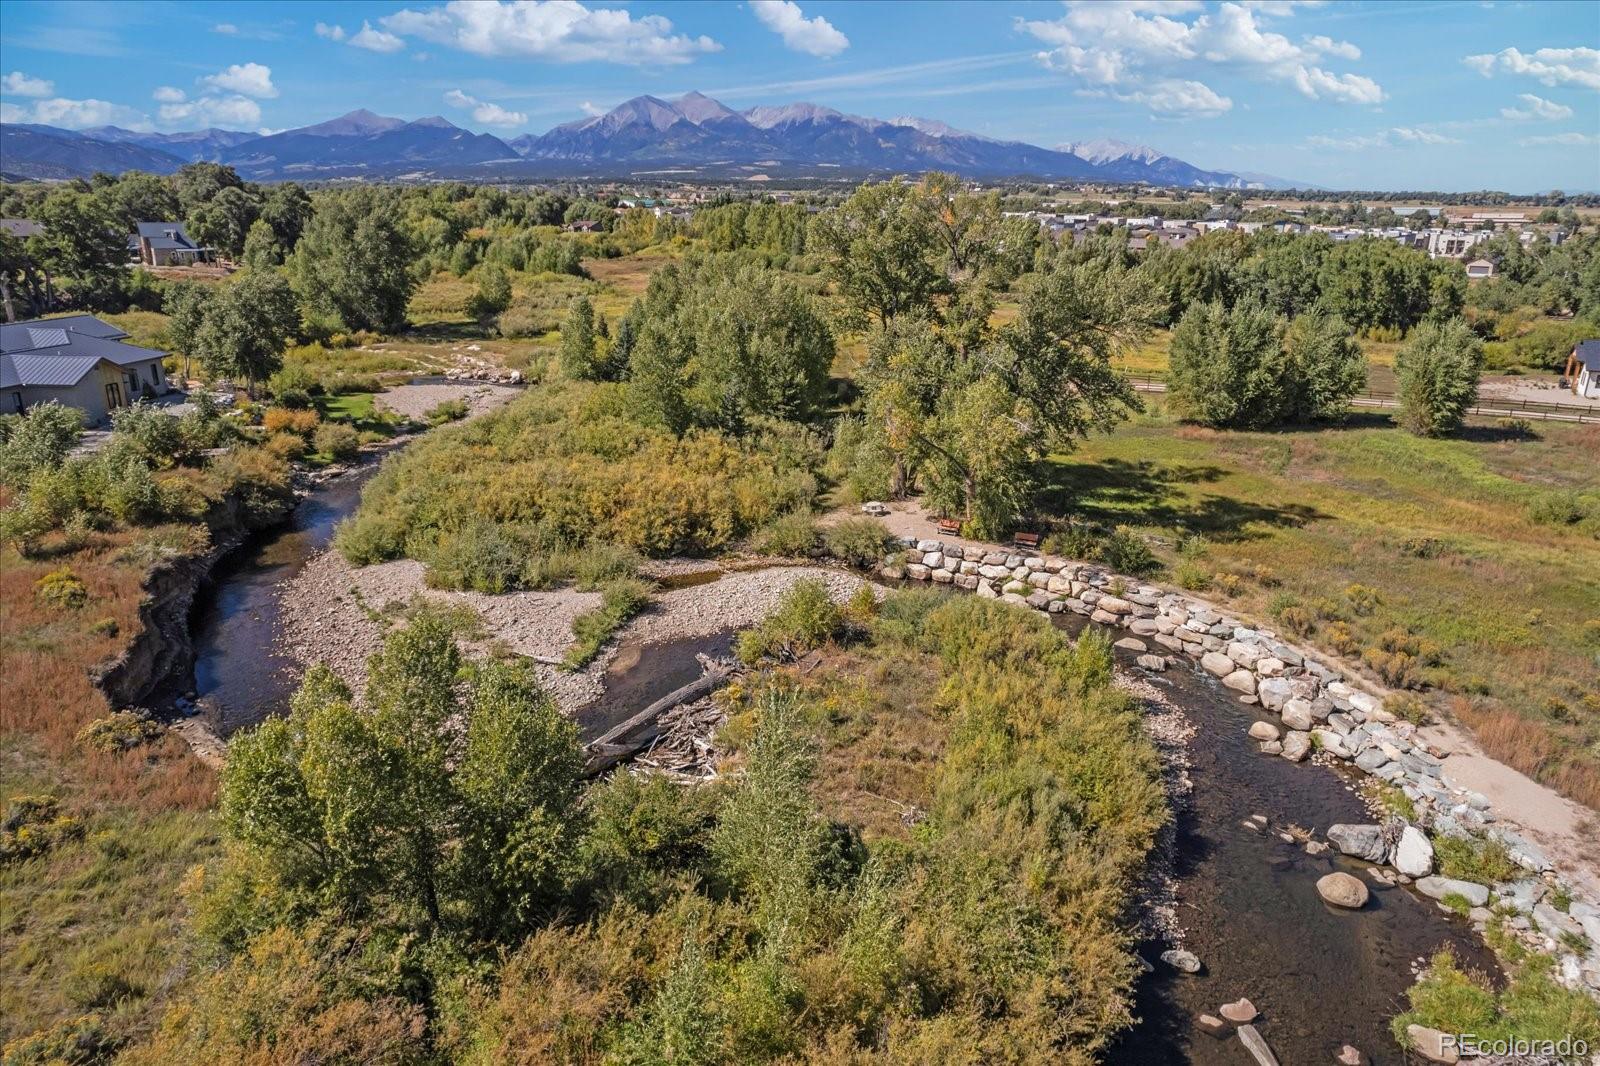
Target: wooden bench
950, 527
1026, 540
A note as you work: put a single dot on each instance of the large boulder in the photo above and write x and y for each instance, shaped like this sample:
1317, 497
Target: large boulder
1431, 1044
1297, 714
1217, 664
1439, 887
1413, 853
1241, 681
1342, 890
1275, 692
1359, 841
1263, 731
1296, 745
1181, 960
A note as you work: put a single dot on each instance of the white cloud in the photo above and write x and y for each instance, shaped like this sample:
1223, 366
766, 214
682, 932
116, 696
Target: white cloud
20, 84
482, 111
10, 112
76, 114
332, 33
1330, 47
591, 109
1145, 48
233, 111
248, 79
1537, 108
1572, 139
813, 36
1171, 97
376, 40
1549, 66
167, 94
227, 29
1394, 137
560, 30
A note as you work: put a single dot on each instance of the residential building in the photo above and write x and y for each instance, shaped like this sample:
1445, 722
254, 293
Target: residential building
1583, 369
165, 244
1480, 268
1453, 243
79, 361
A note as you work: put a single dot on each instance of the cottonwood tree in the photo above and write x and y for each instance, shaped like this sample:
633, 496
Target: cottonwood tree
432, 804
971, 412
881, 253
1438, 369
578, 357
185, 306
223, 222
352, 265
245, 328
82, 245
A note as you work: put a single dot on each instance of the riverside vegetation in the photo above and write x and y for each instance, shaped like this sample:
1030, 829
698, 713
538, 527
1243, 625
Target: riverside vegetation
425, 876
908, 339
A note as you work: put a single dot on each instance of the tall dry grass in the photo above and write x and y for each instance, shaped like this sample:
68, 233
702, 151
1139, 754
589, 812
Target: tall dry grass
1530, 746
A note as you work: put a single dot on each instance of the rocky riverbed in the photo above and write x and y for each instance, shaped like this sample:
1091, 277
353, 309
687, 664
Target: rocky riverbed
338, 614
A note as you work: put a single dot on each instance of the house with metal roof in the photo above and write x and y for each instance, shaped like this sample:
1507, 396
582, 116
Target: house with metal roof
1583, 369
165, 244
78, 361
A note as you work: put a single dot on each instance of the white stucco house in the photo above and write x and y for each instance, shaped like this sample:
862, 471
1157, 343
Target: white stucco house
1583, 369
79, 361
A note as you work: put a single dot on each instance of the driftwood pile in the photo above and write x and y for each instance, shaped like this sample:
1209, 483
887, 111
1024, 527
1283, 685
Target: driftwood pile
672, 735
685, 748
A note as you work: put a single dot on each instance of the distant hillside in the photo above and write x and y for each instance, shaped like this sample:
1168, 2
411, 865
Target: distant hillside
692, 136
49, 153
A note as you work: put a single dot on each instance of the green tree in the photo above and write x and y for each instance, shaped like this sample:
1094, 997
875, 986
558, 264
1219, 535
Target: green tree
352, 265
185, 306
1325, 364
197, 183
1228, 366
139, 197
432, 805
223, 222
261, 248
578, 358
287, 209
246, 327
1437, 369
493, 294
83, 246
43, 440
881, 252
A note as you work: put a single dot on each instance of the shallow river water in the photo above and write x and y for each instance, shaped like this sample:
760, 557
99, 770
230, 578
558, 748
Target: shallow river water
1321, 977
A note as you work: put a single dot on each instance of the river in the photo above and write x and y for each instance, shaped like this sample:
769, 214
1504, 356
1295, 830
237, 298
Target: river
1321, 977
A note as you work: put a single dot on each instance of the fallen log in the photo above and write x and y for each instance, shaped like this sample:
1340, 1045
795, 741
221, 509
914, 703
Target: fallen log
623, 740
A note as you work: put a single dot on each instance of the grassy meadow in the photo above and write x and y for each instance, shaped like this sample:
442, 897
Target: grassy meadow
1453, 554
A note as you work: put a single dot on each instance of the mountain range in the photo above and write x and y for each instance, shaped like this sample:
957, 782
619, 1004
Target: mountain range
691, 137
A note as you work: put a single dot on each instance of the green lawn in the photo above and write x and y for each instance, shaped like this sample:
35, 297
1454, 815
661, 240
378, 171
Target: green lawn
1443, 530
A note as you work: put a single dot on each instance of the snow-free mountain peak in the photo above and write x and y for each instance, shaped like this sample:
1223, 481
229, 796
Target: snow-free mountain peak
355, 123
934, 128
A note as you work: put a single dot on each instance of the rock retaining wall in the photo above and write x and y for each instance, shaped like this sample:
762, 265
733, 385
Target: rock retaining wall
1314, 705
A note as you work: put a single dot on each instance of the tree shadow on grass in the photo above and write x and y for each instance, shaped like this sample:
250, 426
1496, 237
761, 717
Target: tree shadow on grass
1115, 492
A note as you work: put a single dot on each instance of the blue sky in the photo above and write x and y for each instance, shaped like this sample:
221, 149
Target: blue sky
1437, 95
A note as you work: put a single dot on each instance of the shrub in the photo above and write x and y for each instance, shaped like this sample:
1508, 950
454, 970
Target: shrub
1192, 575
61, 589
1291, 614
1437, 370
857, 541
477, 555
600, 564
285, 420
1192, 546
1075, 542
805, 619
34, 826
620, 600
117, 731
157, 434
80, 1041
337, 440
1477, 859
1405, 705
1229, 584
97, 984
1341, 639
1362, 600
288, 446
1126, 552
105, 627
1564, 508
792, 534
445, 411
41, 440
